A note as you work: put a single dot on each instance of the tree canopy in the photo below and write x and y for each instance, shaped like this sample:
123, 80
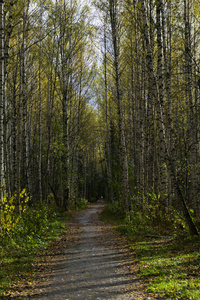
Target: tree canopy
105, 107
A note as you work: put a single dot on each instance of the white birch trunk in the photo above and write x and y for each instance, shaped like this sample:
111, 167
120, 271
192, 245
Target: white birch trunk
163, 171
40, 115
171, 163
123, 153
109, 170
2, 84
189, 99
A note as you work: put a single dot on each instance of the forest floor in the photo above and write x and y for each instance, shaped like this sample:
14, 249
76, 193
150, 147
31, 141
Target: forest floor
89, 261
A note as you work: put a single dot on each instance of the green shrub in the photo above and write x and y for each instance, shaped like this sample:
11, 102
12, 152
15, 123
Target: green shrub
36, 221
137, 224
34, 230
81, 203
150, 215
113, 212
11, 211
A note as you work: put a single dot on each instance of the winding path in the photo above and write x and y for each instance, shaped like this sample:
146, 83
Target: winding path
93, 268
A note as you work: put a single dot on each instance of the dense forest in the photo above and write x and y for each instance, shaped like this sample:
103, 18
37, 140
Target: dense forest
101, 100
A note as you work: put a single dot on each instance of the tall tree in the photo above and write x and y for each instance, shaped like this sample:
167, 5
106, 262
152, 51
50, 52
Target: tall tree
2, 85
163, 145
114, 11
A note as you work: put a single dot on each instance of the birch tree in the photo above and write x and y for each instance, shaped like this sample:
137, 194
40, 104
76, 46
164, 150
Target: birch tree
2, 84
114, 12
163, 145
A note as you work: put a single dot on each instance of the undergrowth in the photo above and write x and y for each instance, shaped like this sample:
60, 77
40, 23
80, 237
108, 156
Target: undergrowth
167, 257
34, 230
169, 266
113, 213
81, 203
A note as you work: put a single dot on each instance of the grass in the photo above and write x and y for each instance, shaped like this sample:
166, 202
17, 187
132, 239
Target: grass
20, 251
169, 266
15, 264
113, 214
17, 256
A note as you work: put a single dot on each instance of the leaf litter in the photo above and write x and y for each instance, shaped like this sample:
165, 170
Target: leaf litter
123, 282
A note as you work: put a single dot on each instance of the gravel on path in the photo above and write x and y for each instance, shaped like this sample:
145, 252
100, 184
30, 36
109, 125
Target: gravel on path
96, 264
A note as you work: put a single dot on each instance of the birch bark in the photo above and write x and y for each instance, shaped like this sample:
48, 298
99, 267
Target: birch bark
171, 163
109, 170
113, 9
160, 106
2, 84
189, 98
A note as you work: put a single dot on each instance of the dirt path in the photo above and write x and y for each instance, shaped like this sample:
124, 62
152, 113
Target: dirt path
93, 267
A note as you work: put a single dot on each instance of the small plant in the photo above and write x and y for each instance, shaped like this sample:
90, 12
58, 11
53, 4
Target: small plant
138, 224
81, 203
31, 231
113, 213
169, 266
11, 212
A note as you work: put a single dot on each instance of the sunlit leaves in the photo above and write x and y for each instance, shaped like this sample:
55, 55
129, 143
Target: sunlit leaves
11, 208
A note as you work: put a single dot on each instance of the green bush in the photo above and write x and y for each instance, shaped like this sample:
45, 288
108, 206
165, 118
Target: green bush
151, 216
10, 212
34, 230
137, 224
113, 212
81, 203
34, 222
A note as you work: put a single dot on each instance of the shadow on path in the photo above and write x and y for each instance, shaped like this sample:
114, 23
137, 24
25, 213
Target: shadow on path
91, 268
